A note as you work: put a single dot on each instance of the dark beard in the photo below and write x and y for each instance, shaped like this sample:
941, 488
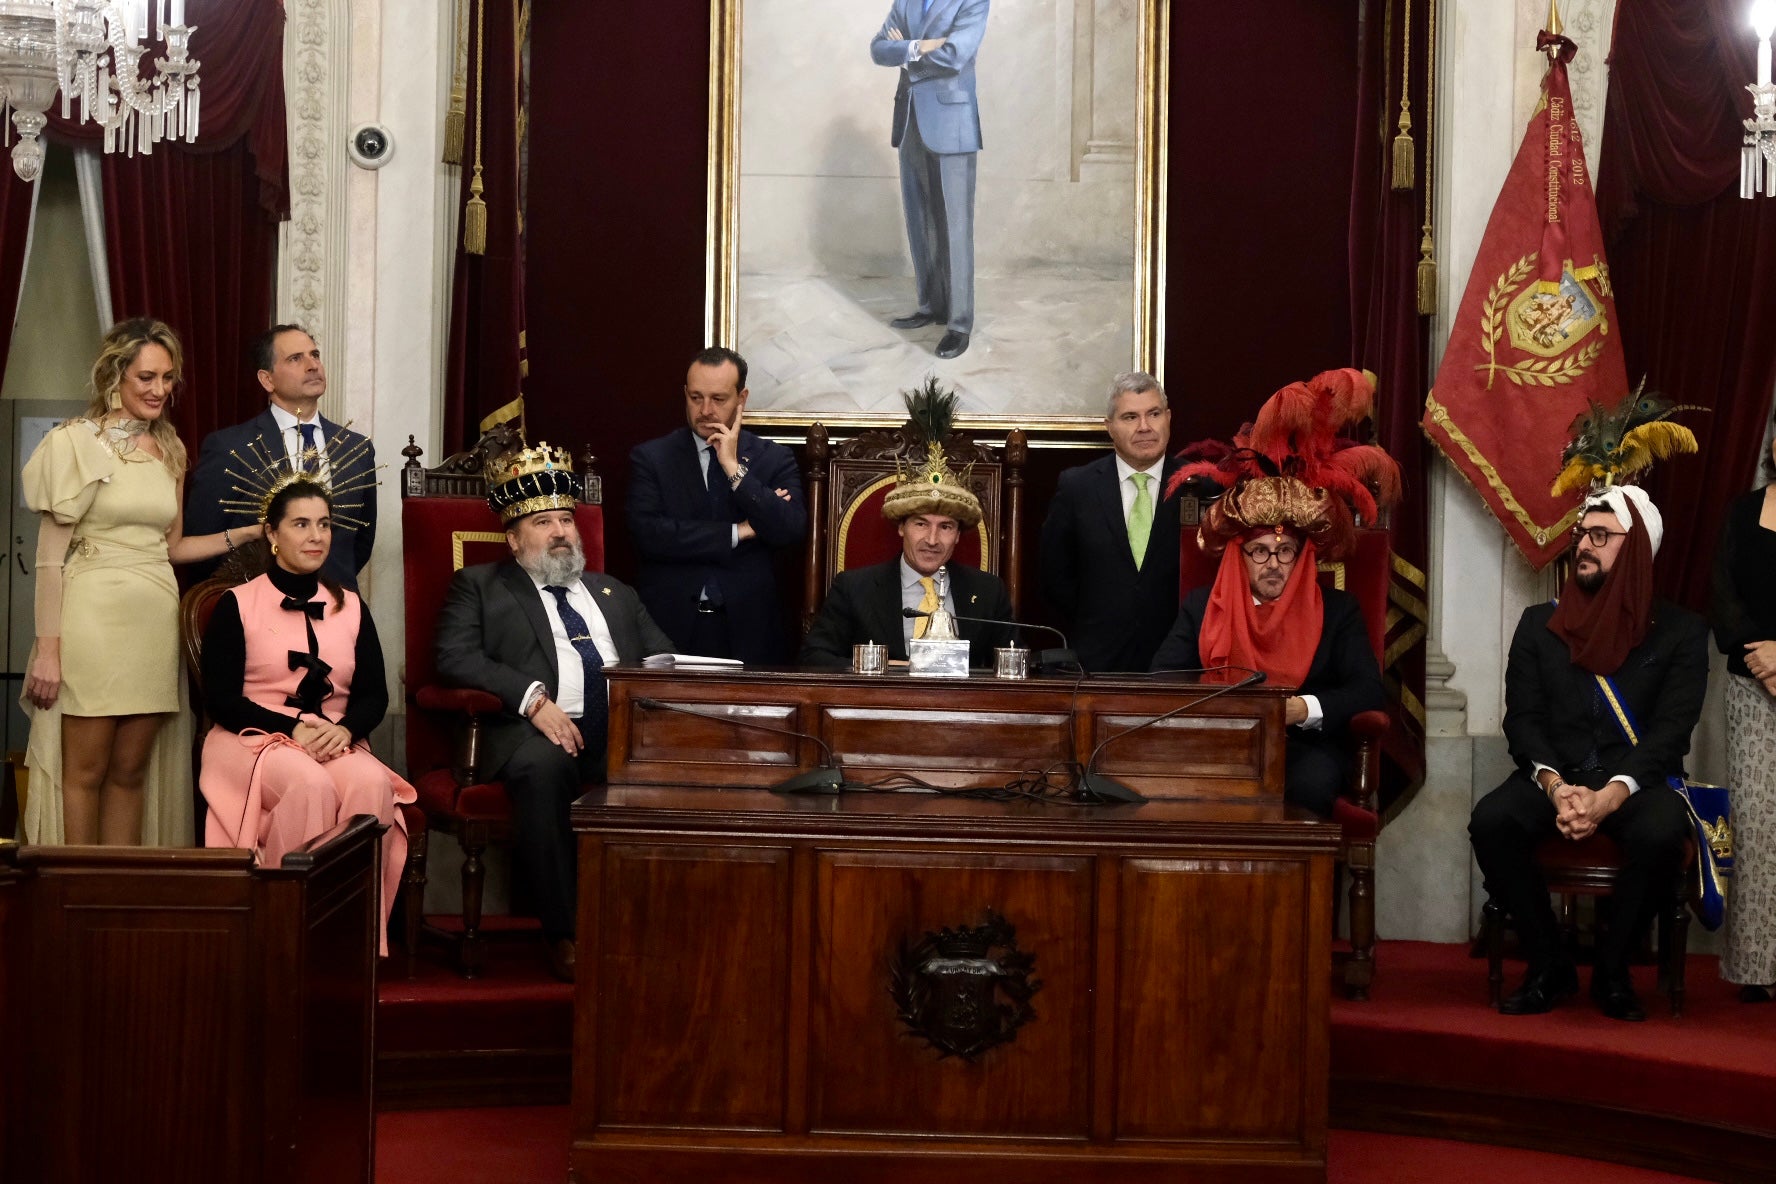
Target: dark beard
1590, 581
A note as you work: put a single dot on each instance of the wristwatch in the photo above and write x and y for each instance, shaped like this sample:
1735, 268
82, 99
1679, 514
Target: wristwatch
739, 476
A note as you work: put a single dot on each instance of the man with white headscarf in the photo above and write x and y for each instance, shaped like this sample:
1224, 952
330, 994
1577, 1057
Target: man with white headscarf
1577, 772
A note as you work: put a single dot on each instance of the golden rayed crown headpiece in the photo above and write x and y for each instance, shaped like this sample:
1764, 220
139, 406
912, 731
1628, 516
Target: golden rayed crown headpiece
532, 480
932, 488
265, 476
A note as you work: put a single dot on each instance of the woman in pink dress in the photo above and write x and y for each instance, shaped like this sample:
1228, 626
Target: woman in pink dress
293, 678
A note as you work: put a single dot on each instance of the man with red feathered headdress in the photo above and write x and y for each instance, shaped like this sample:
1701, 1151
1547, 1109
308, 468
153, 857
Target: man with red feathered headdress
1292, 484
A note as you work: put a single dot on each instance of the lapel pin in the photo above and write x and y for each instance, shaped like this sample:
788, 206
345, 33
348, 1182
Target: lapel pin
606, 591
972, 599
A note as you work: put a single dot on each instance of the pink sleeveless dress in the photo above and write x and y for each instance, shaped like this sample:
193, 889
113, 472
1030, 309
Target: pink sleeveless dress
263, 790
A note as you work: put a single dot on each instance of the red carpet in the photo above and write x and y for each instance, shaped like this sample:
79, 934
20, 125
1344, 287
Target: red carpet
1428, 1020
528, 1145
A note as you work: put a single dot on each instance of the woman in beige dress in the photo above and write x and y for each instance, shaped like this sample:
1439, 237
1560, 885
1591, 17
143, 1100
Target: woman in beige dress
109, 751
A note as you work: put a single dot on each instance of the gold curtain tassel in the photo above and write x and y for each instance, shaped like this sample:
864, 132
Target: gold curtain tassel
1405, 159
1427, 286
475, 219
453, 133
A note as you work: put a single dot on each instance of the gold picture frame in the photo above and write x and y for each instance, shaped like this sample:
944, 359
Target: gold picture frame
1078, 408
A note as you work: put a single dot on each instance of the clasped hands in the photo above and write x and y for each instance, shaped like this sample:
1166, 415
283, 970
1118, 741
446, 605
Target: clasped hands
322, 740
1578, 809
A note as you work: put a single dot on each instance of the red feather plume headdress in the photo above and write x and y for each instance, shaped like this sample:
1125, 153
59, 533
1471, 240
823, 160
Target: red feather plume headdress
1290, 467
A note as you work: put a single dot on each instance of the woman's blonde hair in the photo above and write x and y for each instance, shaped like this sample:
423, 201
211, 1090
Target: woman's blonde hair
116, 353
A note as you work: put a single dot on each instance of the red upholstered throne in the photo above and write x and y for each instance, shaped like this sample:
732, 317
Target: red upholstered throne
1364, 574
446, 525
846, 486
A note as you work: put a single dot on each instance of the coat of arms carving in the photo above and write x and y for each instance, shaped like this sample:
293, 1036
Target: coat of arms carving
964, 991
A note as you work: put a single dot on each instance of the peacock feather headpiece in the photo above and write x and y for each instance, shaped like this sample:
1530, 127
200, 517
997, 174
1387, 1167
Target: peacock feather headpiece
1615, 446
931, 487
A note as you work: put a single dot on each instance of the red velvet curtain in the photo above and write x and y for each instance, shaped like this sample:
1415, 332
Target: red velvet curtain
1388, 337
483, 368
15, 224
1693, 264
191, 230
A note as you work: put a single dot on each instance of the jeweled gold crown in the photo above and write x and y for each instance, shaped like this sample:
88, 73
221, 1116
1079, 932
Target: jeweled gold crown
932, 488
532, 480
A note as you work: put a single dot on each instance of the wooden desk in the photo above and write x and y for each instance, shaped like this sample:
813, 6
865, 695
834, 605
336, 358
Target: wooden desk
738, 1015
956, 733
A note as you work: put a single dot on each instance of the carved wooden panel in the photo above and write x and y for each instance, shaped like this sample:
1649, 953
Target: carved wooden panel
952, 748
689, 964
671, 737
1225, 941
868, 1074
1222, 756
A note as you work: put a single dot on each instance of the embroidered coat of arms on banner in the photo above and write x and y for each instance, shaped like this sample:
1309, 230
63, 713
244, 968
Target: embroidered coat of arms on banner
1536, 336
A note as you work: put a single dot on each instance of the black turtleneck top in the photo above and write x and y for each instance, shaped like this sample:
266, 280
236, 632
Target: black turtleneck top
225, 667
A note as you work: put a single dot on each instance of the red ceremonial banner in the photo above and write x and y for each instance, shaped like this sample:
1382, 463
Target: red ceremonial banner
1536, 338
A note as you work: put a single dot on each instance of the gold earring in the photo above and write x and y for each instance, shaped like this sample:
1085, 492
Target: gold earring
114, 400
274, 548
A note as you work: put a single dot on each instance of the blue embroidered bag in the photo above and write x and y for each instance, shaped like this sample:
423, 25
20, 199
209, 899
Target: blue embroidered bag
1711, 816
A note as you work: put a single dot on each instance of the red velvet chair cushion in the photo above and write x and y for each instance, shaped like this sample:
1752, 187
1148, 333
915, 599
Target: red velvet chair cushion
438, 793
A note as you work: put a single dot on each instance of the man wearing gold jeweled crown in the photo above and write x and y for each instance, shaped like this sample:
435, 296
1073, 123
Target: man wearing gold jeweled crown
290, 369
1294, 484
868, 604
537, 630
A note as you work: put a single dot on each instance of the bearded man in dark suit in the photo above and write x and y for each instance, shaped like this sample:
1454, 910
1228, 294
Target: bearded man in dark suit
1109, 558
537, 630
1578, 773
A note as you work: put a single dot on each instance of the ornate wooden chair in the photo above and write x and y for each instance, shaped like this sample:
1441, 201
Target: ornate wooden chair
846, 485
446, 525
195, 607
1589, 868
1364, 574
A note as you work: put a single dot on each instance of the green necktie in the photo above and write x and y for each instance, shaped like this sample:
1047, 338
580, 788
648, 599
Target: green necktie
1140, 517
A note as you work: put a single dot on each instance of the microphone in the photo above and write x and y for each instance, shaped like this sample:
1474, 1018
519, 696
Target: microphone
1043, 657
1108, 788
828, 777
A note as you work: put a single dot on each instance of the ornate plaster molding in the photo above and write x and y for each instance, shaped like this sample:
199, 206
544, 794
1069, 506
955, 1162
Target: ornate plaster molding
1588, 22
312, 244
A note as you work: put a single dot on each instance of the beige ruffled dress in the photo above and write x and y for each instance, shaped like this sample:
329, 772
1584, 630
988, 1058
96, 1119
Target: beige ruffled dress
120, 622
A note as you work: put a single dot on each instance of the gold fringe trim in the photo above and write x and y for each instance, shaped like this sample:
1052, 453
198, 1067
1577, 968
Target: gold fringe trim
1541, 534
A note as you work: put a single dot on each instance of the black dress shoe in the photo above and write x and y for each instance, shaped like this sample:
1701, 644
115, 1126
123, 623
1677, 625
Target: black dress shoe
1542, 990
561, 959
953, 344
915, 320
1615, 997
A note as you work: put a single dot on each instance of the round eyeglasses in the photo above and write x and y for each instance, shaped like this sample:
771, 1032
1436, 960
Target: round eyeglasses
1262, 555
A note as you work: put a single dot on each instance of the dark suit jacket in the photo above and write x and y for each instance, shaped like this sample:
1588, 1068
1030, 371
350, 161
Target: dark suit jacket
864, 605
494, 635
1116, 614
1549, 714
210, 486
1343, 675
683, 538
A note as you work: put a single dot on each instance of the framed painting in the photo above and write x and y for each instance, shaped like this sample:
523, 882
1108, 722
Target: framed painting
971, 189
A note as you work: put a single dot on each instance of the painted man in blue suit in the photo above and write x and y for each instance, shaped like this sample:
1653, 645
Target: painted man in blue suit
290, 369
708, 505
932, 43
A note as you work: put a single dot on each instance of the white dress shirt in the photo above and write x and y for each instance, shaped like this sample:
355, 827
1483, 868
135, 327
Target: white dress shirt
290, 432
1125, 487
570, 691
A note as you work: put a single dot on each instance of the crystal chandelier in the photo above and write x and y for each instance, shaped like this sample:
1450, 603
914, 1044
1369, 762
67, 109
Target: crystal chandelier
91, 51
1757, 155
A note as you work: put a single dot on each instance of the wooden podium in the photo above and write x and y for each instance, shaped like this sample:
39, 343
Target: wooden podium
870, 985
